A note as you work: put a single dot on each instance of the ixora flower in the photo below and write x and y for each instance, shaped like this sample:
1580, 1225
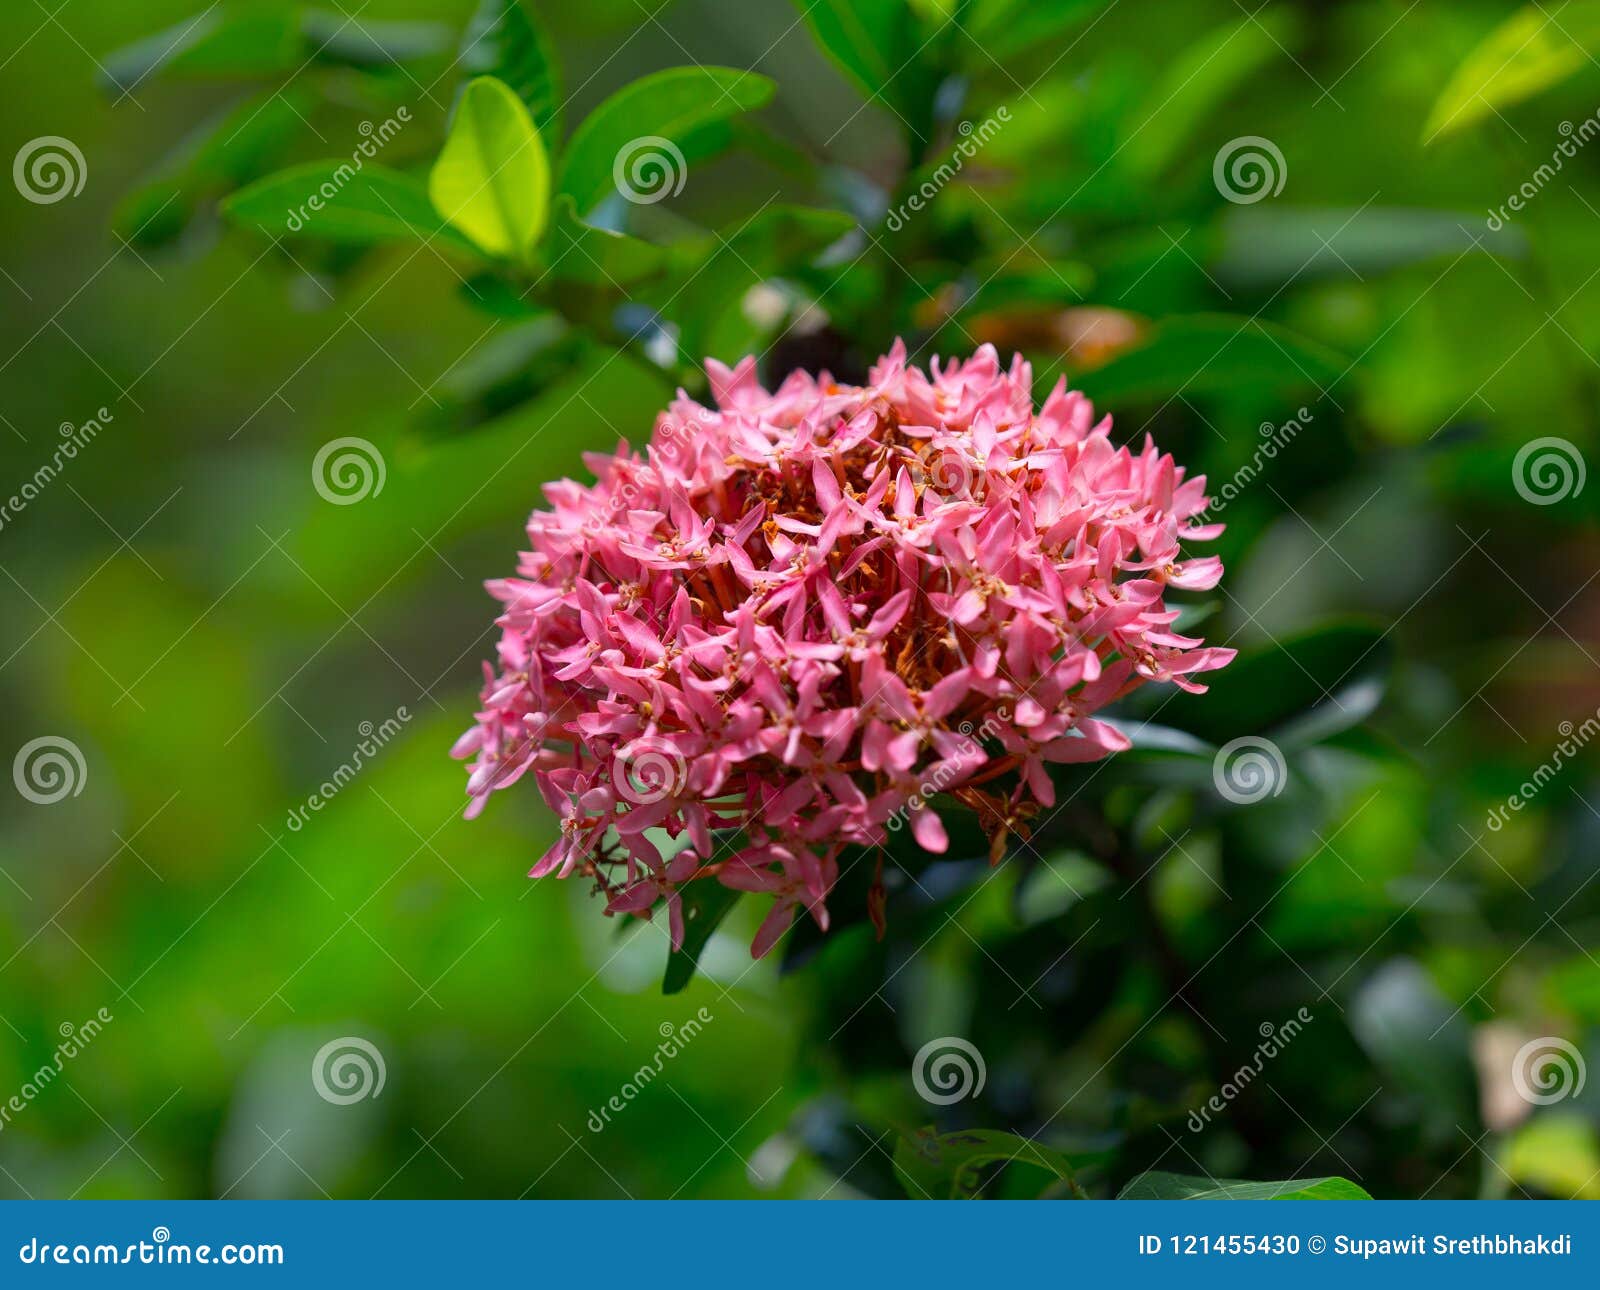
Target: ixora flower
776, 635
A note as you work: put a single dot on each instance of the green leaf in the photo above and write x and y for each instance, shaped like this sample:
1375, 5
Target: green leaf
504, 41
670, 106
267, 38
1416, 1036
1526, 54
705, 904
580, 252
223, 154
876, 44
220, 42
1149, 737
1311, 685
1557, 1153
949, 1166
1004, 30
515, 364
494, 293
1272, 244
342, 203
492, 180
341, 40
1160, 1186
1196, 83
1212, 354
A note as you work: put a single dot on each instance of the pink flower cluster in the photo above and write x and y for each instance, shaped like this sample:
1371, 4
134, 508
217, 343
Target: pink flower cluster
800, 615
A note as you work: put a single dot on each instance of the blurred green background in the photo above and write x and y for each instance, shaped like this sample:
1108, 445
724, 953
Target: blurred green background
211, 634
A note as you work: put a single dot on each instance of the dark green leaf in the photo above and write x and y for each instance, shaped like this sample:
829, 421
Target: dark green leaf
1196, 83
514, 365
705, 904
494, 293
669, 105
1154, 738
1322, 678
580, 252
336, 201
504, 41
345, 41
878, 45
1159, 1186
1211, 354
933, 1166
220, 156
1003, 30
1269, 244
1418, 1039
220, 42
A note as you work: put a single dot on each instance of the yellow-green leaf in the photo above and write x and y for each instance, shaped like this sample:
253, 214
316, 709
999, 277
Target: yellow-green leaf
1528, 52
492, 180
